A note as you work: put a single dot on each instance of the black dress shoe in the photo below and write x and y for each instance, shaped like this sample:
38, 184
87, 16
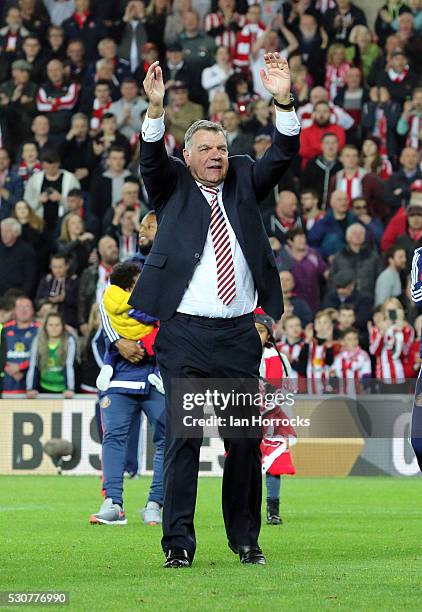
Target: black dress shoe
177, 557
251, 556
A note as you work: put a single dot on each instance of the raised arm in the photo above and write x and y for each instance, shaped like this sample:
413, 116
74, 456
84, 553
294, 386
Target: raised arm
268, 170
157, 170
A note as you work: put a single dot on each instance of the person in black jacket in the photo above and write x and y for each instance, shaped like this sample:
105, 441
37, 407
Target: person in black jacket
380, 106
77, 153
18, 260
339, 21
319, 171
204, 294
61, 289
397, 189
83, 25
345, 292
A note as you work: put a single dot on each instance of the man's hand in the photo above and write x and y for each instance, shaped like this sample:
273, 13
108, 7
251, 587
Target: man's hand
32, 394
155, 90
130, 350
55, 196
68, 394
276, 79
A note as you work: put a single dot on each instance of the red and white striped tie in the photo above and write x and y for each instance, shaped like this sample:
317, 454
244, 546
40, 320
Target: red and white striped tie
226, 286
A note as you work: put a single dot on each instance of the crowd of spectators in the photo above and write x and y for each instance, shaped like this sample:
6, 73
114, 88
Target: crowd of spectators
343, 223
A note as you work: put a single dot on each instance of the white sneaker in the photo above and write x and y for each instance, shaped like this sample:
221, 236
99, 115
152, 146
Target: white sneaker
157, 382
152, 513
104, 377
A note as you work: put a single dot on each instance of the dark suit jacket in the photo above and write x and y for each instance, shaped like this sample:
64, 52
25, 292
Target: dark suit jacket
183, 216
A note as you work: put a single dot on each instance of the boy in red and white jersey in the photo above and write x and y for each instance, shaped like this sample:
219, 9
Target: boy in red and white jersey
352, 365
291, 342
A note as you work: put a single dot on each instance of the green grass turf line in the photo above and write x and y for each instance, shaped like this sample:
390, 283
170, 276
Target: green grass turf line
346, 544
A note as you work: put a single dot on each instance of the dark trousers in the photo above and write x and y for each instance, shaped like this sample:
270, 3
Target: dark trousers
194, 347
416, 427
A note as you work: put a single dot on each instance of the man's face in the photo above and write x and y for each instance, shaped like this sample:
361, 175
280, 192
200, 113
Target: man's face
81, 5
20, 77
298, 243
179, 97
105, 72
406, 23
75, 52
51, 168
350, 159
359, 208
130, 193
286, 204
415, 221
74, 203
398, 63
109, 125
8, 236
339, 202
190, 21
40, 126
174, 57
147, 232
287, 281
80, 127
24, 311
127, 221
102, 92
108, 49
231, 121
307, 25
129, 91
254, 14
55, 71
353, 78
329, 147
4, 160
116, 161
344, 292
417, 100
31, 47
109, 253
400, 260
29, 153
346, 318
322, 115
208, 158
318, 94
356, 236
409, 159
308, 201
59, 267
14, 19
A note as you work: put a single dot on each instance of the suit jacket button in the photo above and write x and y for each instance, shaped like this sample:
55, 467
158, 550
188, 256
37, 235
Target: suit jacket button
197, 255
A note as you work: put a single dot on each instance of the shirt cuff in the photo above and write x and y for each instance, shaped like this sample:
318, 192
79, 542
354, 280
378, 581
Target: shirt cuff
287, 123
153, 129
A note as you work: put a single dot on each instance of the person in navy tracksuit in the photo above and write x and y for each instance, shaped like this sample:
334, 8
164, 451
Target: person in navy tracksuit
416, 429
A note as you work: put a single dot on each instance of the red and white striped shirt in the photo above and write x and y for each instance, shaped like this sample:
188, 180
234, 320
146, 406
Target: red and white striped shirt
350, 185
350, 367
414, 122
97, 113
335, 78
389, 348
244, 42
226, 37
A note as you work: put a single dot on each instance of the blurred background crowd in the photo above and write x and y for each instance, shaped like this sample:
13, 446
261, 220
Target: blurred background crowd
343, 223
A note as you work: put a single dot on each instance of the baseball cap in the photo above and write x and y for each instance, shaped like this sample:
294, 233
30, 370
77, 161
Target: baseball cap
21, 65
343, 279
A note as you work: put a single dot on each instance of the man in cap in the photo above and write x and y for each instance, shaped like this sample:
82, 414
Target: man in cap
17, 99
345, 292
181, 112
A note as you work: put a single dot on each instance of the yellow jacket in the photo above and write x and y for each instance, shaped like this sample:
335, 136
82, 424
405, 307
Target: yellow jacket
117, 308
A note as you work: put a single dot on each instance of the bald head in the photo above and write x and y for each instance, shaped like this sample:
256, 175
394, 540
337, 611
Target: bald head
109, 253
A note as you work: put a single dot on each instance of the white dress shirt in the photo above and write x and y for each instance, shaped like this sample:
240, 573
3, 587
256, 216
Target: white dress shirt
200, 297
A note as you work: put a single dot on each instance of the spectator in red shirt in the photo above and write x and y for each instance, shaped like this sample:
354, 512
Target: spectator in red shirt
310, 138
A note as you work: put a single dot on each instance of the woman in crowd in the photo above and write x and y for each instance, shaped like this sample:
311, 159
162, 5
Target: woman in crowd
75, 243
52, 361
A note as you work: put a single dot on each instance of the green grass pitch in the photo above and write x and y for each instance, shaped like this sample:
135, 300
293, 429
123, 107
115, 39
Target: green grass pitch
346, 544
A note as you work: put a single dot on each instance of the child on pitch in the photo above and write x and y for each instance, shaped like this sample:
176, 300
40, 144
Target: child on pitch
352, 365
129, 323
276, 460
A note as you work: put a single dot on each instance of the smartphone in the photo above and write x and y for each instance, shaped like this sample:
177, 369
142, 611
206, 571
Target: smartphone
392, 315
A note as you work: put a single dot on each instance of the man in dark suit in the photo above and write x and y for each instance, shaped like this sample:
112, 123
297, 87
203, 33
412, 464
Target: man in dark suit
209, 267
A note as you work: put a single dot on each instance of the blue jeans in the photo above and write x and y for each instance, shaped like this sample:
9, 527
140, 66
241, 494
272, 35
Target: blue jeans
273, 487
117, 419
